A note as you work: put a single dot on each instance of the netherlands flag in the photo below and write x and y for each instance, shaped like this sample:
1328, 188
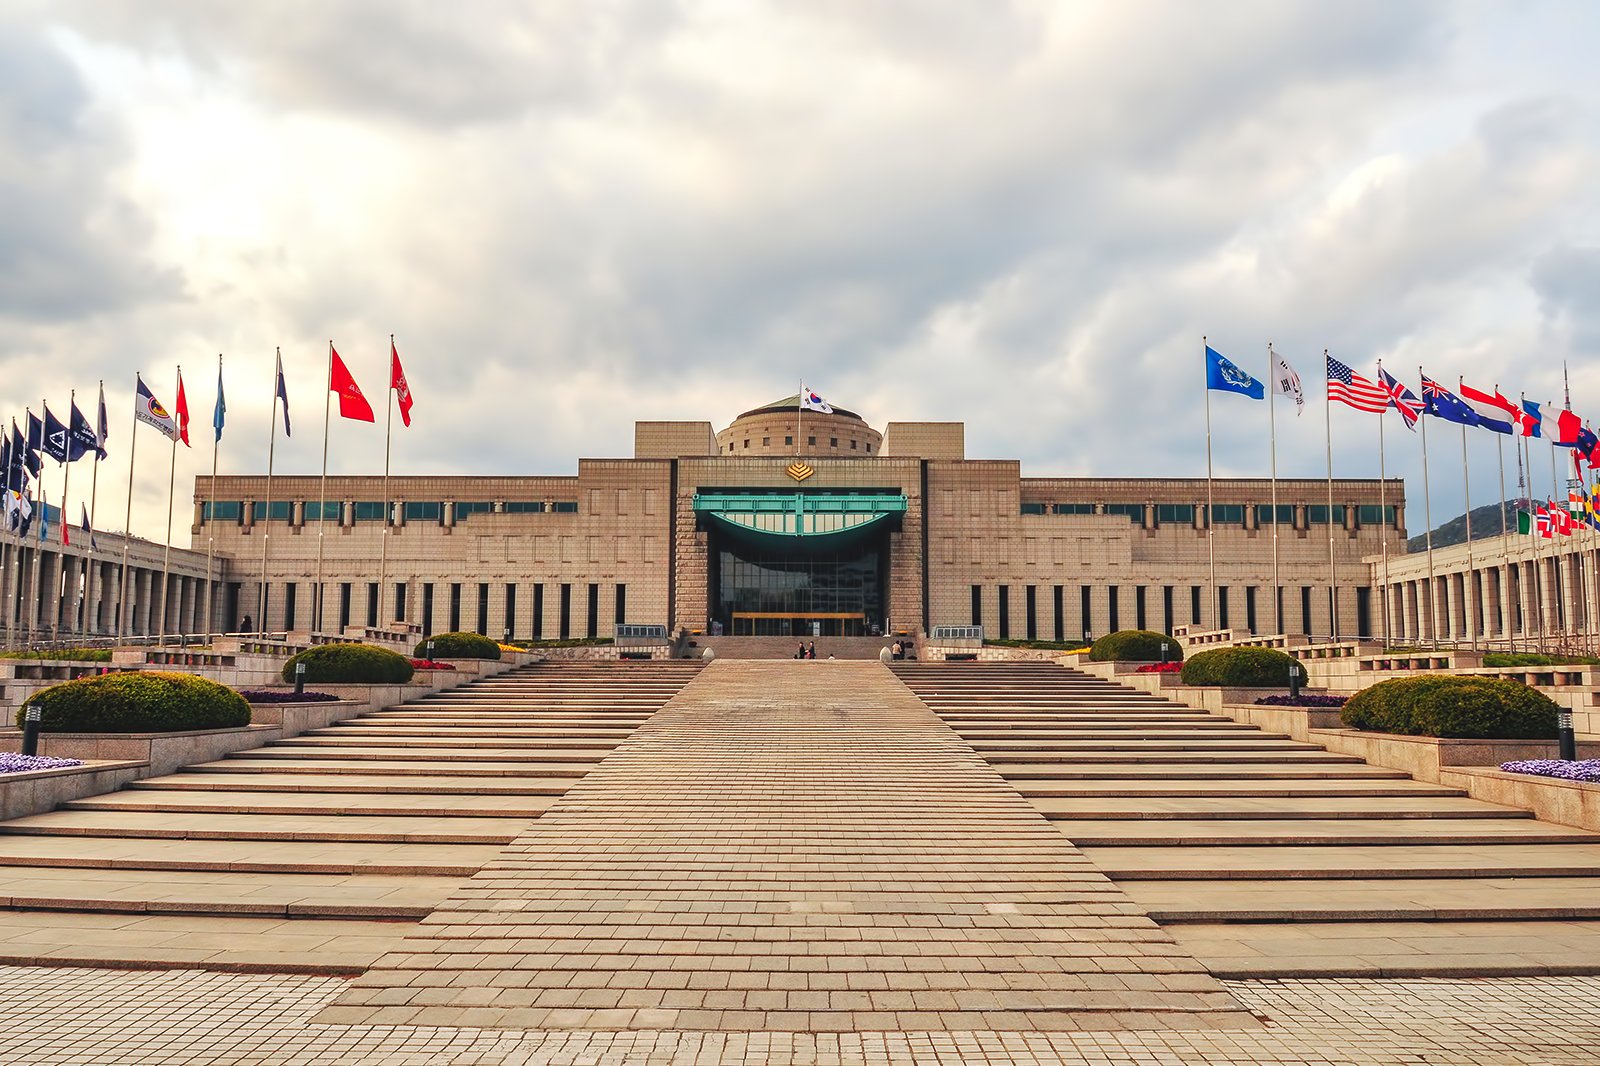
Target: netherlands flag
1495, 413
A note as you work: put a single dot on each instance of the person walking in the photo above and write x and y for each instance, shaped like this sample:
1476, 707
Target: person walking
801, 654
811, 652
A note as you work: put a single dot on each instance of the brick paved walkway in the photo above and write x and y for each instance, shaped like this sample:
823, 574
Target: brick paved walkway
84, 1017
791, 846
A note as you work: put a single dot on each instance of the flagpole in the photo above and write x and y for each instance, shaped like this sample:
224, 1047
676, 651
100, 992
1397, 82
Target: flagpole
799, 405
127, 522
7, 564
1272, 432
211, 537
1383, 516
1500, 447
322, 498
38, 541
266, 515
66, 475
1427, 518
1333, 571
1525, 481
1211, 544
94, 494
166, 552
1469, 599
388, 432
1555, 552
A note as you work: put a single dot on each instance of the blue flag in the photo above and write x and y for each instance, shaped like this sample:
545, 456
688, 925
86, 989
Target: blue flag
1223, 376
1532, 420
1442, 403
81, 438
55, 436
220, 413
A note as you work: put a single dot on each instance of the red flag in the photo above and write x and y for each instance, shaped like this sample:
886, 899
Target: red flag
1567, 426
351, 403
183, 413
397, 382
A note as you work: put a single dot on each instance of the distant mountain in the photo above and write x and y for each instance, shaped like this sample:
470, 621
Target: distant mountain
1485, 523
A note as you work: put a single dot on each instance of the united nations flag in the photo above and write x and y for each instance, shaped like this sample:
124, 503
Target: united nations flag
1223, 376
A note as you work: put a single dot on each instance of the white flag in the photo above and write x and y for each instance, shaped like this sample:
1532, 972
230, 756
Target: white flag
1286, 381
810, 401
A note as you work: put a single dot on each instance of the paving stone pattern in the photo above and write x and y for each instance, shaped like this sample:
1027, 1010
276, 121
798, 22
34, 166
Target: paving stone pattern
1267, 857
318, 853
791, 847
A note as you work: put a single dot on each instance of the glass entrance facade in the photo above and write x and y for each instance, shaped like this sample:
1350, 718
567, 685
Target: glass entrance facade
794, 587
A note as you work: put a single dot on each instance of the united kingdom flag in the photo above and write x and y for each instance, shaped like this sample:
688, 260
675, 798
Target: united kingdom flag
1401, 398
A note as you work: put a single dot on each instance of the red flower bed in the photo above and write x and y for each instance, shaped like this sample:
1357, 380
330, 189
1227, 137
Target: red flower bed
423, 664
1159, 668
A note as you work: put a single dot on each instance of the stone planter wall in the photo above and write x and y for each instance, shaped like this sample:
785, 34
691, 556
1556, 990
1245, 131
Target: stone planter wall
1426, 758
1574, 803
163, 752
39, 791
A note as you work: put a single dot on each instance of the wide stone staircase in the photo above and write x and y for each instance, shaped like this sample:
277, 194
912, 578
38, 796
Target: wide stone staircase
317, 853
1267, 857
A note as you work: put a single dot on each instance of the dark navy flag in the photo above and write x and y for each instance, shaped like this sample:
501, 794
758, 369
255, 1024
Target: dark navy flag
283, 394
19, 451
55, 436
1223, 376
30, 454
1442, 403
81, 437
86, 527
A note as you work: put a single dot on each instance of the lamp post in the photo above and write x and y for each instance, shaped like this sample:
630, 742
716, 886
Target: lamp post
1294, 681
1564, 735
430, 652
299, 679
30, 730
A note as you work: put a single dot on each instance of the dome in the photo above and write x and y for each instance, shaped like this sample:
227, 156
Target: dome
770, 430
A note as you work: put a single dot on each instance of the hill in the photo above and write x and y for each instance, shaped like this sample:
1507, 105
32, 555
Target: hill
1485, 523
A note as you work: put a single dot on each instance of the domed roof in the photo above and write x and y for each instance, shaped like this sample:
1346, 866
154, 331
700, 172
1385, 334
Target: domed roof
790, 403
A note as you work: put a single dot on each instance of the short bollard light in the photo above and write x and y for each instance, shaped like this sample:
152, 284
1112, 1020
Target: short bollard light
430, 651
299, 679
1163, 651
30, 729
1564, 735
1294, 681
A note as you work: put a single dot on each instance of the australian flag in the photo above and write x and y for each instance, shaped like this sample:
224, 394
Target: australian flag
1442, 403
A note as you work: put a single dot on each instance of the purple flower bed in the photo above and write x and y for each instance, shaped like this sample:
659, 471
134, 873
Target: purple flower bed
1582, 770
12, 763
1303, 701
274, 695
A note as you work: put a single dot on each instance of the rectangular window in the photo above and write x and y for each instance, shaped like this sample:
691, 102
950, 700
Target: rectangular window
564, 621
423, 511
977, 605
1305, 609
1033, 508
1133, 512
455, 606
1317, 514
524, 507
1032, 612
465, 510
344, 605
372, 604
1084, 610
789, 439
1227, 514
1138, 607
1111, 620
367, 511
1222, 607
811, 440
1166, 608
620, 615
1072, 508
282, 511
1194, 605
511, 609
1285, 514
427, 608
1061, 621
1172, 514
289, 590
400, 600
1370, 514
1250, 608
592, 622
1364, 611
1004, 592
565, 507
331, 510
222, 510
483, 608
538, 611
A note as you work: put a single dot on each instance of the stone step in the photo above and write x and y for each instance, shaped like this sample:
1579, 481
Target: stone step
440, 785
331, 826
436, 860
1243, 807
239, 801
1010, 740
444, 733
401, 753
1337, 862
230, 944
552, 766
1367, 900
1044, 797
448, 745
998, 752
1202, 772
1019, 765
1269, 832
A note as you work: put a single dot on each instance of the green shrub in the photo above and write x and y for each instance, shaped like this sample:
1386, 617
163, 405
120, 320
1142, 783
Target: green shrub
138, 702
1134, 646
1239, 667
81, 655
458, 646
570, 642
1047, 645
1437, 705
355, 664
1509, 659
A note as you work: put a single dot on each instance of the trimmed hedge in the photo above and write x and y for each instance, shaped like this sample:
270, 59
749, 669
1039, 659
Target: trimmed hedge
144, 701
1239, 668
1505, 660
458, 646
1134, 646
82, 655
1441, 706
354, 664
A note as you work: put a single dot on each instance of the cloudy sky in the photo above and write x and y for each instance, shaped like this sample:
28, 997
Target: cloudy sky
572, 216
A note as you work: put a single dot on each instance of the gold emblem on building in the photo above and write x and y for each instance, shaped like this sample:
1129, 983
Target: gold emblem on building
799, 471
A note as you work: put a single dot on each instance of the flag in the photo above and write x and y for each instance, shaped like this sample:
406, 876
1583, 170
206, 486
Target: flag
1223, 376
30, 454
1525, 523
1561, 519
283, 394
1567, 426
810, 401
86, 527
24, 519
55, 436
1542, 524
18, 476
1495, 413
1402, 399
148, 409
5, 458
1532, 420
1585, 446
102, 427
183, 413
397, 382
81, 437
219, 413
1442, 403
65, 541
13, 517
44, 517
352, 404
1350, 388
1287, 382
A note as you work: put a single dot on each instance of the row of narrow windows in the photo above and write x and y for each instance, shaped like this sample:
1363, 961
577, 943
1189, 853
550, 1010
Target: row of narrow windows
284, 613
1223, 513
372, 510
833, 442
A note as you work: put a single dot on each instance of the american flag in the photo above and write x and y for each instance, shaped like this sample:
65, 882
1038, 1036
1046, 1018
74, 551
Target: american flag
1348, 387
